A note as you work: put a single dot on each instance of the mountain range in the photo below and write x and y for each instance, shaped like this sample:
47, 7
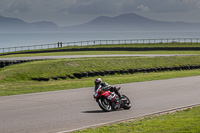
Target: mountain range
124, 22
15, 24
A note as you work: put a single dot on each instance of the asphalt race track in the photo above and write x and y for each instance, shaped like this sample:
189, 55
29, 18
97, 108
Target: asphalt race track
62, 111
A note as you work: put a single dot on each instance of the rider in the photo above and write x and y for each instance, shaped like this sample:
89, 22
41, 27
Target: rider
106, 87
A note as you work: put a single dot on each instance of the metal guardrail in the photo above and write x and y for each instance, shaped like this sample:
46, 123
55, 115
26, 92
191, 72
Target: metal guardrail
99, 42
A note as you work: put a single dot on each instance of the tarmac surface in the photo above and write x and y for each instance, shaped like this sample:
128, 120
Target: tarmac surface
68, 110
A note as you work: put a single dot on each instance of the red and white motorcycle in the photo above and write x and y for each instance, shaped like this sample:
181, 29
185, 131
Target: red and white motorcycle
106, 100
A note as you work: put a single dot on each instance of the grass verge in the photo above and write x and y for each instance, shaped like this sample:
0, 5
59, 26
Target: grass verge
63, 67
24, 87
186, 121
100, 53
16, 79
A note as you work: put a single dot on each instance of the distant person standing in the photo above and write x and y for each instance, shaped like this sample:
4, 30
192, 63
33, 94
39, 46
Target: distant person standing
58, 44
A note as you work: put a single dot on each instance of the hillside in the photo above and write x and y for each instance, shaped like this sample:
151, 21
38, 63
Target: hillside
124, 22
15, 24
134, 22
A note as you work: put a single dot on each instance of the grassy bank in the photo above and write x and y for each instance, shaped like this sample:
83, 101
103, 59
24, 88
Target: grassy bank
15, 79
150, 45
63, 67
187, 121
100, 53
24, 87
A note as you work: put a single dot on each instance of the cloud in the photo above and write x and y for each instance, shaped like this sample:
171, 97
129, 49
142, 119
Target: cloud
123, 6
171, 5
143, 8
17, 7
74, 10
97, 6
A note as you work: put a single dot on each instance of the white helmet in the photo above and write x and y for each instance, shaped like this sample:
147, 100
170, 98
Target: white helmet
98, 81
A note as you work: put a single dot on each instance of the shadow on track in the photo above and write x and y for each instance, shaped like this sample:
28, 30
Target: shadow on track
94, 111
100, 111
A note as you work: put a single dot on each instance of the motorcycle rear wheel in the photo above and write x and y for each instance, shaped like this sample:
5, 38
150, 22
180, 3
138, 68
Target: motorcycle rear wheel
104, 104
127, 105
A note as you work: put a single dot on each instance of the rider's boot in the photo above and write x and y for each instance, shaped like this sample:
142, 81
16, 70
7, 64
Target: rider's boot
120, 96
117, 92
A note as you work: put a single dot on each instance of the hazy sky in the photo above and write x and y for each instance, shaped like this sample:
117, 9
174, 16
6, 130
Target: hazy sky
72, 12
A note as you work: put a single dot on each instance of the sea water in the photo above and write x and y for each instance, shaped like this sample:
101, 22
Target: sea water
26, 39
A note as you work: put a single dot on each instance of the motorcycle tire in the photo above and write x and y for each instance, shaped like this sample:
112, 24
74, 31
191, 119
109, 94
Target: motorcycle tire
104, 104
127, 105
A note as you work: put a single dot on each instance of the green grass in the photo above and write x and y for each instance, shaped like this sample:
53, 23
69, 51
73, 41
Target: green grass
24, 87
16, 79
63, 67
187, 121
99, 53
120, 45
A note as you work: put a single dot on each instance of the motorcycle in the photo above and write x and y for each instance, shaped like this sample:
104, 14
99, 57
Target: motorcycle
107, 100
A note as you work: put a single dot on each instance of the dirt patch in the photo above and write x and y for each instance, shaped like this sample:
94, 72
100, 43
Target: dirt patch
71, 64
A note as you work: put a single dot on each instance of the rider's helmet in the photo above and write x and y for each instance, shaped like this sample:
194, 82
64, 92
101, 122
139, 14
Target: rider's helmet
98, 81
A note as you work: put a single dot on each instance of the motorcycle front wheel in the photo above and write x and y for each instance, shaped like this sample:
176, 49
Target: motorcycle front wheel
104, 104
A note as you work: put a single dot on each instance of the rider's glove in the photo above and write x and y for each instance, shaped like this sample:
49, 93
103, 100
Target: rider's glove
105, 88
